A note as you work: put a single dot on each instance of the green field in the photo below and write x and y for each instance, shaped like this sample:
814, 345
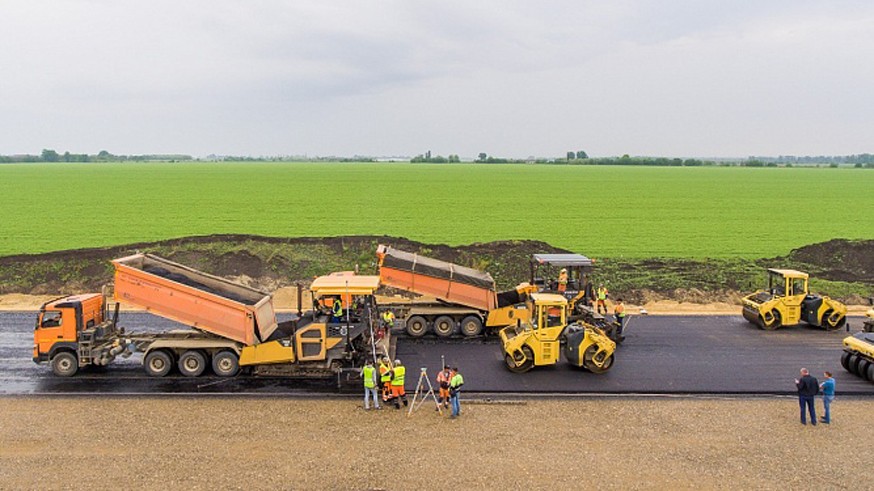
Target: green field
600, 211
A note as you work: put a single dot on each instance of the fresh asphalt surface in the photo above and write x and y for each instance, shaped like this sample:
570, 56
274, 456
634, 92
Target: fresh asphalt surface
661, 355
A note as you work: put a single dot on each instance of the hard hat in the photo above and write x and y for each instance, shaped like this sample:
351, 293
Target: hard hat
564, 270
397, 362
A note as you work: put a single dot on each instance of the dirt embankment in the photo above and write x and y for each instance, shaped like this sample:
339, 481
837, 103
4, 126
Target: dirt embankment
841, 268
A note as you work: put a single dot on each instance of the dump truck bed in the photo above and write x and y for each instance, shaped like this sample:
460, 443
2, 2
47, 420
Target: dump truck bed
200, 300
445, 281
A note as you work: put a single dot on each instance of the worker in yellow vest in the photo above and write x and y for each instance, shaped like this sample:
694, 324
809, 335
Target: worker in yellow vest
619, 316
602, 294
385, 379
454, 388
368, 375
562, 280
397, 384
337, 310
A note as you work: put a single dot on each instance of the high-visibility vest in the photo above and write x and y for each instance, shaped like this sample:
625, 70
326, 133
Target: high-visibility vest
457, 381
384, 373
619, 310
388, 317
369, 381
602, 294
338, 308
398, 378
562, 278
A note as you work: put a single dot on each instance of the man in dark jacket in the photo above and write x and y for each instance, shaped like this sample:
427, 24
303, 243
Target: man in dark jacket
808, 387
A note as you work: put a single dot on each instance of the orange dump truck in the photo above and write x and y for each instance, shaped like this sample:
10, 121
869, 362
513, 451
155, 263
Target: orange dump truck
454, 298
233, 326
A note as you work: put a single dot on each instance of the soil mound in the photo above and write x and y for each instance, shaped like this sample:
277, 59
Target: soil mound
838, 259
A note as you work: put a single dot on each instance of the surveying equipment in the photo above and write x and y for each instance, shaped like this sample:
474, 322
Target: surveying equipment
420, 390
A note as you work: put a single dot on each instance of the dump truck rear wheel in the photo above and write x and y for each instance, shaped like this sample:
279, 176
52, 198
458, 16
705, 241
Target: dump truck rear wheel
225, 364
65, 364
158, 363
192, 363
417, 326
772, 322
515, 366
444, 326
870, 374
830, 325
471, 326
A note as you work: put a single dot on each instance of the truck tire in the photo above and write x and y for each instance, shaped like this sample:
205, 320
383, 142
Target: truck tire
417, 326
225, 363
471, 326
158, 363
65, 364
444, 326
870, 374
192, 363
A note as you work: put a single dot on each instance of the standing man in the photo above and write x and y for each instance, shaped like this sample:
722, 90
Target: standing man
397, 384
454, 387
828, 396
368, 373
602, 298
562, 280
337, 310
443, 379
385, 379
808, 387
619, 316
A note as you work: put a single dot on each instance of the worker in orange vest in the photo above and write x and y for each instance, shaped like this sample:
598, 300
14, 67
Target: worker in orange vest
443, 379
385, 379
562, 280
619, 316
398, 393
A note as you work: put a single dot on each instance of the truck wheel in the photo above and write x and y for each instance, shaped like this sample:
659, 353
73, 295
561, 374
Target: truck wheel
225, 364
158, 363
831, 324
514, 361
192, 363
770, 321
65, 364
444, 326
471, 326
870, 374
845, 359
417, 326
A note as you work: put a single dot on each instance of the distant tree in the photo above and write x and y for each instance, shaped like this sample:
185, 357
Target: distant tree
50, 155
582, 155
482, 157
454, 158
571, 155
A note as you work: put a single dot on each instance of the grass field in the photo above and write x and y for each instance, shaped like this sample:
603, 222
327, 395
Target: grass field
600, 211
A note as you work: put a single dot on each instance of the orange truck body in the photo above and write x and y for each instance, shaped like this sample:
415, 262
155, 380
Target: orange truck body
203, 301
440, 279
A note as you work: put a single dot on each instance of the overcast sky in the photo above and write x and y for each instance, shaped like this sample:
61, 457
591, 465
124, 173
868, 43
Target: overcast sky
675, 78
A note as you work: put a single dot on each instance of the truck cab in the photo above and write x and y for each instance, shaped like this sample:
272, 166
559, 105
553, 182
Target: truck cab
59, 327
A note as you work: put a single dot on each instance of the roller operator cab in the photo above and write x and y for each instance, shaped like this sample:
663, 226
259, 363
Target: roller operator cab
788, 302
537, 341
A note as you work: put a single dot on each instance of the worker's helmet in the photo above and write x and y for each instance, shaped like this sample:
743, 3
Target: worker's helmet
564, 270
397, 362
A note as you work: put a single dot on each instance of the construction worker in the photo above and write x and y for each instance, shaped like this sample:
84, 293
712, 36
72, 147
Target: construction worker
455, 384
397, 384
388, 319
368, 374
602, 298
562, 280
385, 379
337, 310
443, 379
619, 316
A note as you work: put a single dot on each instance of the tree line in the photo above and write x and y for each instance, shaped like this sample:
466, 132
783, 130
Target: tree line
49, 155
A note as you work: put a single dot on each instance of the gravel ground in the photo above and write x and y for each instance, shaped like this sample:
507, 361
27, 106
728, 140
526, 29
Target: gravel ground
273, 443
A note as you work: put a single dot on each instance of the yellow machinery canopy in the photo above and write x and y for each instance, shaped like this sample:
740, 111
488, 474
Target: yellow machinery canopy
344, 283
788, 273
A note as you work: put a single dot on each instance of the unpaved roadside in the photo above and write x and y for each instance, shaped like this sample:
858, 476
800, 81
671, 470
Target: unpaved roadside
251, 443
